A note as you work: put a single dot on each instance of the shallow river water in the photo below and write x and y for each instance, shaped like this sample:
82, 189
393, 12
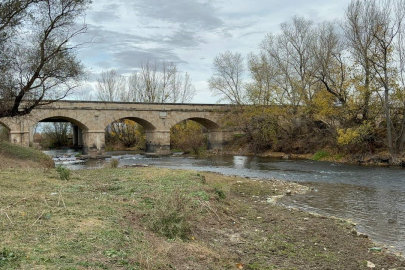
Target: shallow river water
372, 197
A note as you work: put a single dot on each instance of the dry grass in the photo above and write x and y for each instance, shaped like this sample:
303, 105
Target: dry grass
150, 218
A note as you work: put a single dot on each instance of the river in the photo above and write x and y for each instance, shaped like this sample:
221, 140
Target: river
372, 197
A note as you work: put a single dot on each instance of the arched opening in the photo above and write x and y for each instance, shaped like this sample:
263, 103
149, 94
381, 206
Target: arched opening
58, 132
127, 134
4, 132
192, 135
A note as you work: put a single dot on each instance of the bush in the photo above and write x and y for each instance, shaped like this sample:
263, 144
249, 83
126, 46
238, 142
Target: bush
220, 193
362, 138
114, 163
320, 155
8, 257
170, 216
188, 136
64, 173
262, 130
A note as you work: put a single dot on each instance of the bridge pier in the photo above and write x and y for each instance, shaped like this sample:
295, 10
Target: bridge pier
19, 137
158, 142
77, 136
217, 139
94, 142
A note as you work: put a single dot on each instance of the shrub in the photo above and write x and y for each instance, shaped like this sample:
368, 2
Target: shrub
64, 173
359, 139
170, 216
8, 257
220, 193
188, 136
320, 155
114, 163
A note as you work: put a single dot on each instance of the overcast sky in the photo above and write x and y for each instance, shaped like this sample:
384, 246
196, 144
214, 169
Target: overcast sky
189, 33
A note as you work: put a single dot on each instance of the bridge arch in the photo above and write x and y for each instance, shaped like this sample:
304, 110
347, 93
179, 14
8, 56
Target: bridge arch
79, 129
211, 136
55, 117
143, 122
207, 123
132, 134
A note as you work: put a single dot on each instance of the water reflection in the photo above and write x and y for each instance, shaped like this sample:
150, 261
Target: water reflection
240, 162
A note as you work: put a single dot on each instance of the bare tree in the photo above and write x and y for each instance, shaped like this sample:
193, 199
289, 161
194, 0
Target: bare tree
262, 90
330, 67
227, 80
38, 63
385, 55
160, 83
182, 89
58, 133
358, 29
111, 86
291, 52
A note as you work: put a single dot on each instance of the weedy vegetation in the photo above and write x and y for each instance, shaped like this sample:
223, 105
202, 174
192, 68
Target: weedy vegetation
152, 218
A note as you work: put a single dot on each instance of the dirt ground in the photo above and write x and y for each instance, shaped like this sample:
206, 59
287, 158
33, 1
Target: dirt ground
152, 218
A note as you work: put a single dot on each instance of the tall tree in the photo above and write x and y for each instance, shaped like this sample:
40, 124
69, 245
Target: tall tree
358, 30
290, 52
38, 63
386, 54
227, 80
330, 66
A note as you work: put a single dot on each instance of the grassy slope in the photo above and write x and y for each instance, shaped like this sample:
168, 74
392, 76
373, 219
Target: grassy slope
149, 218
15, 156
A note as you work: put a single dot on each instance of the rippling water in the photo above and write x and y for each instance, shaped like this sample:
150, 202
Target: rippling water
372, 197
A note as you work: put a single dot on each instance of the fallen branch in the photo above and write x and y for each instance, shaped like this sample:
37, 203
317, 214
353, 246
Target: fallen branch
38, 218
210, 208
61, 199
7, 217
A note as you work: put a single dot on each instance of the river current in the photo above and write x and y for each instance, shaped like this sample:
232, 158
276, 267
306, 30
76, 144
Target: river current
372, 197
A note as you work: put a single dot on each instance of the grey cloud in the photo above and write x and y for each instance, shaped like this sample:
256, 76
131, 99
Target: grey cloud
183, 38
113, 49
131, 59
115, 40
103, 16
109, 13
186, 12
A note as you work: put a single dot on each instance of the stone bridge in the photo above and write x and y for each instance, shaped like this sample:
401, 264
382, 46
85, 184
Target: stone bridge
90, 119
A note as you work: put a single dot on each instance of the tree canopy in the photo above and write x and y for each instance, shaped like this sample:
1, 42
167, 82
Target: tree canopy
38, 62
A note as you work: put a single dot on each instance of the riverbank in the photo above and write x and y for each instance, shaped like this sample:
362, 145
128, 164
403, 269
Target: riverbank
14, 156
152, 218
380, 159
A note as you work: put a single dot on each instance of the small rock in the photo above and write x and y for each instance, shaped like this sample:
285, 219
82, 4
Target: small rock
370, 264
288, 192
306, 219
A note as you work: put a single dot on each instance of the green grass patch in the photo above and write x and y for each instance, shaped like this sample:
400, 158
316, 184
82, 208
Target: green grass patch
19, 153
64, 173
320, 155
